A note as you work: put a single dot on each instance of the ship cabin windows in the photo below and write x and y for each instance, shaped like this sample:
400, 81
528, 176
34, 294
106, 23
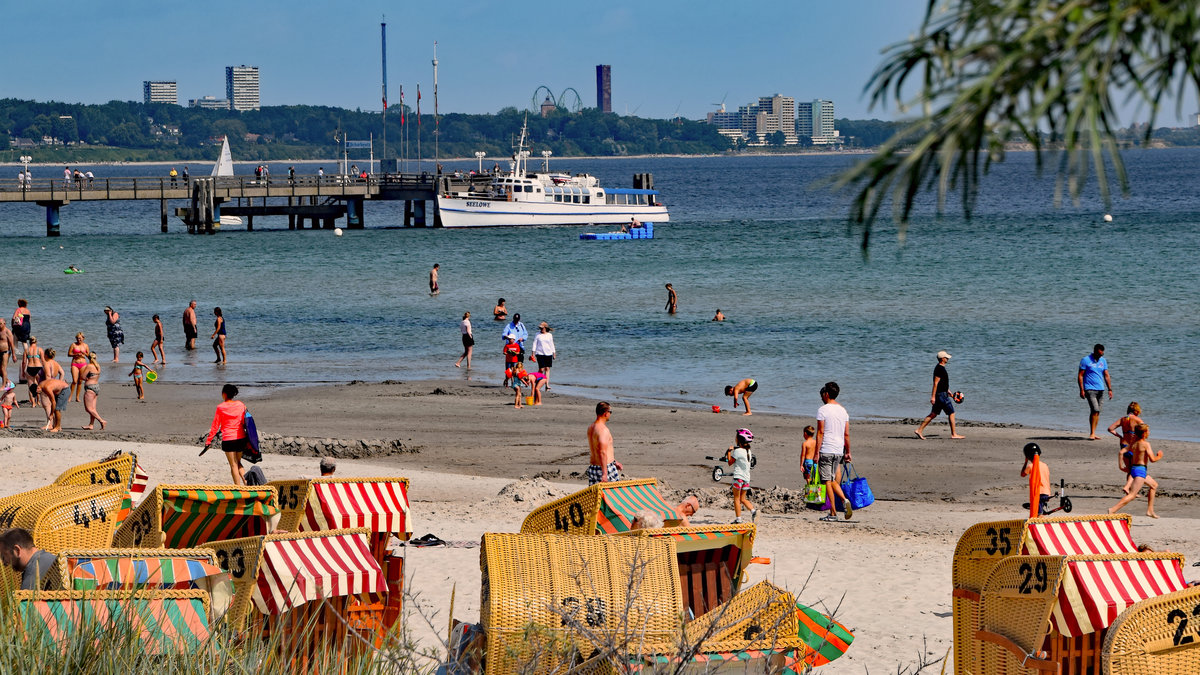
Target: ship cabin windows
622, 199
568, 195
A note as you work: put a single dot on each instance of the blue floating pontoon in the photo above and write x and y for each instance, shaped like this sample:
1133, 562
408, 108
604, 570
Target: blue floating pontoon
646, 231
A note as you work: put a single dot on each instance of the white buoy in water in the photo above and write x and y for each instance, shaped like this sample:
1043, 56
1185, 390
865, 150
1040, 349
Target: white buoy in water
337, 231
1108, 217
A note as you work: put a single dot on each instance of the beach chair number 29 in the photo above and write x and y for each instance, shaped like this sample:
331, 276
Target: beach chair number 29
574, 518
1001, 542
1035, 574
1178, 615
97, 513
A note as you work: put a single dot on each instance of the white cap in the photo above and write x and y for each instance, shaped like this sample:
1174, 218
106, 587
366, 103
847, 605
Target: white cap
944, 355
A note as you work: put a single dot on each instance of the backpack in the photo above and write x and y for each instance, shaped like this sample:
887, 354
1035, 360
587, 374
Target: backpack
252, 453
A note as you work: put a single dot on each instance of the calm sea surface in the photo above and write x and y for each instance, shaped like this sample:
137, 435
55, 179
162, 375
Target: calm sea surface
1018, 294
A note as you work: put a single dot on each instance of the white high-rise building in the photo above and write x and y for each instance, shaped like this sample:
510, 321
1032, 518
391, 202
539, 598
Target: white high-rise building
241, 87
159, 91
815, 120
758, 121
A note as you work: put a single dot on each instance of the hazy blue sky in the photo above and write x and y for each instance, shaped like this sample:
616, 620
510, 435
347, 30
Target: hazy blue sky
665, 56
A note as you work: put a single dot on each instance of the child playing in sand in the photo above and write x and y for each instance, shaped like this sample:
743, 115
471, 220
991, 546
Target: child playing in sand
159, 340
1140, 447
1033, 450
738, 455
136, 373
808, 454
1124, 456
517, 376
8, 401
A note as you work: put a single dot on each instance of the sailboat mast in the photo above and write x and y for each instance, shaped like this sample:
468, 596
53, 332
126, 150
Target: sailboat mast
436, 127
383, 53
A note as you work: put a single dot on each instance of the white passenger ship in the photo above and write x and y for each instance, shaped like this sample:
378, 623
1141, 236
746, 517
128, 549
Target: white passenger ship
520, 197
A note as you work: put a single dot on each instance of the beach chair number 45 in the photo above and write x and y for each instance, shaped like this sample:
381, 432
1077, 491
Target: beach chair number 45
574, 518
1033, 578
1001, 542
233, 562
97, 513
111, 477
595, 611
1178, 615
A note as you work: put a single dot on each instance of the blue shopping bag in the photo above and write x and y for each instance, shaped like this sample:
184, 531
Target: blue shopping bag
856, 488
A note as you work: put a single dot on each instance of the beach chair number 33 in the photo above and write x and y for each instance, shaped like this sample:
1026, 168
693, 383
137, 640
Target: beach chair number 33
1178, 615
575, 515
233, 562
97, 513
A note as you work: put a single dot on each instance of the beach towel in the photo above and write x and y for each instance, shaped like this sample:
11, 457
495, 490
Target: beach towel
252, 453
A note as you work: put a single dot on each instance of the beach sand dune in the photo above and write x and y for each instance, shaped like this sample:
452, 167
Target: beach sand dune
474, 459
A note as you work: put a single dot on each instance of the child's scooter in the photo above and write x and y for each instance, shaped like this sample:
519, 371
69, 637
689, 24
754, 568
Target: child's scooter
718, 471
1064, 502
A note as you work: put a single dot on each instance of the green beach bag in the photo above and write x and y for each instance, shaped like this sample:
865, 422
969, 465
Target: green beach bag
814, 490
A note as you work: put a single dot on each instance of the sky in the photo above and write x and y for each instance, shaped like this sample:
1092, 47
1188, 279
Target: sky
668, 57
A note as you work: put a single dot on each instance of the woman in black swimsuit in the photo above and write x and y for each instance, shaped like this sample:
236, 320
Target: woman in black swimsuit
31, 362
91, 390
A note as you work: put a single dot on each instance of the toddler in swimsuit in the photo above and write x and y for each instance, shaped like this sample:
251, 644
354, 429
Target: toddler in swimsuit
8, 401
136, 374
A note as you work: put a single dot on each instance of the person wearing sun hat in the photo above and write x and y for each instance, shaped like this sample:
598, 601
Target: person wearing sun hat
940, 398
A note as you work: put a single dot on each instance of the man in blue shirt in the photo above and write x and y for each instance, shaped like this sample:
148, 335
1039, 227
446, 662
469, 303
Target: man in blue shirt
517, 331
1093, 380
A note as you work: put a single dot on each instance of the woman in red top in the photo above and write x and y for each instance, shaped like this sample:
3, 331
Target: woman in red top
230, 420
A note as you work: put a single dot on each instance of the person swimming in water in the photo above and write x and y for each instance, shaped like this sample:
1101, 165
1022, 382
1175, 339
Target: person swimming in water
500, 312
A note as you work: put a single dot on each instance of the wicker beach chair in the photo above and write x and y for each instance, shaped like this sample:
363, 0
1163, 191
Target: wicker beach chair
1079, 535
977, 552
277, 573
549, 600
712, 561
141, 568
185, 516
119, 468
1051, 613
604, 508
167, 621
1158, 636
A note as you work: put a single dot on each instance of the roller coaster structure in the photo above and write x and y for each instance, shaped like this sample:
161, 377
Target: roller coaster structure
561, 101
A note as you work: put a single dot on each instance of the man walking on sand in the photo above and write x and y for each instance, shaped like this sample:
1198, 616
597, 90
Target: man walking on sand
602, 467
189, 326
1093, 380
940, 398
833, 443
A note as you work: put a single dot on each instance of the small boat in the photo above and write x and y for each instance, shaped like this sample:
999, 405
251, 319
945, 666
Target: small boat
521, 197
224, 168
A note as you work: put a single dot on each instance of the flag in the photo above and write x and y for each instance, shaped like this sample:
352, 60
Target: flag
418, 105
401, 105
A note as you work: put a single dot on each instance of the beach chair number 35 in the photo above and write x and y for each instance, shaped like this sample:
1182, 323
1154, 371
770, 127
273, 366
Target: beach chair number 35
1033, 578
1178, 615
575, 515
1001, 542
97, 513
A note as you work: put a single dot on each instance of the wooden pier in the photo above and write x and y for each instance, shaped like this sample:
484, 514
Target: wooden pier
318, 199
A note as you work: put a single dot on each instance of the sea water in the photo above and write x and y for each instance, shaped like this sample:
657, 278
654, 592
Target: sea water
1018, 293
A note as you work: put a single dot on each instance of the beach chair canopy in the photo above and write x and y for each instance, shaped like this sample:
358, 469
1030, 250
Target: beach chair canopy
168, 622
1092, 593
1158, 635
295, 569
604, 508
136, 568
378, 504
184, 516
1076, 535
543, 595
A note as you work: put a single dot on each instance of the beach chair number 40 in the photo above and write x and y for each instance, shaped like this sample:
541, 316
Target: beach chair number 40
1001, 542
574, 518
111, 477
594, 616
233, 562
1033, 578
1178, 615
97, 513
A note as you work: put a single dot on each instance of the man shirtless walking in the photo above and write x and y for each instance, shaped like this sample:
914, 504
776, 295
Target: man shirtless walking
189, 325
602, 467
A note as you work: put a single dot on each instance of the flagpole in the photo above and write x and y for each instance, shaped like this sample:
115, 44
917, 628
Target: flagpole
418, 127
383, 40
436, 125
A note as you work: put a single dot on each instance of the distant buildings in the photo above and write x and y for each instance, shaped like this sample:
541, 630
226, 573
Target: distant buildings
815, 120
604, 88
209, 103
757, 123
159, 91
241, 87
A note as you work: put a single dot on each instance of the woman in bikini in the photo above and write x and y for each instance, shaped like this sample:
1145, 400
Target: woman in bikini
500, 312
53, 370
78, 351
218, 335
31, 363
91, 390
1127, 424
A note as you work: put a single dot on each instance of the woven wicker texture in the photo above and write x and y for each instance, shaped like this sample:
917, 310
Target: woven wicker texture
977, 552
1159, 636
109, 471
70, 516
763, 617
380, 504
183, 516
600, 509
545, 595
168, 621
712, 560
1016, 602
1095, 589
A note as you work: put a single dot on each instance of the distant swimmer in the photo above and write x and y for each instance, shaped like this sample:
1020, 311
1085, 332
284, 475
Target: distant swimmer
672, 300
744, 389
71, 269
433, 280
500, 312
719, 316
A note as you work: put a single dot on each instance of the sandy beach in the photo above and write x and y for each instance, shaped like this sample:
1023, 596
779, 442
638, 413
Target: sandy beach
463, 445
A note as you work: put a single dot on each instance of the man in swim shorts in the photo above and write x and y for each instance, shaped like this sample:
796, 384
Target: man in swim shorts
189, 326
744, 389
940, 398
1093, 380
602, 467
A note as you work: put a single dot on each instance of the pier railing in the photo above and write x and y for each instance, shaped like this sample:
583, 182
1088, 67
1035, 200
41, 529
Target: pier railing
158, 187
